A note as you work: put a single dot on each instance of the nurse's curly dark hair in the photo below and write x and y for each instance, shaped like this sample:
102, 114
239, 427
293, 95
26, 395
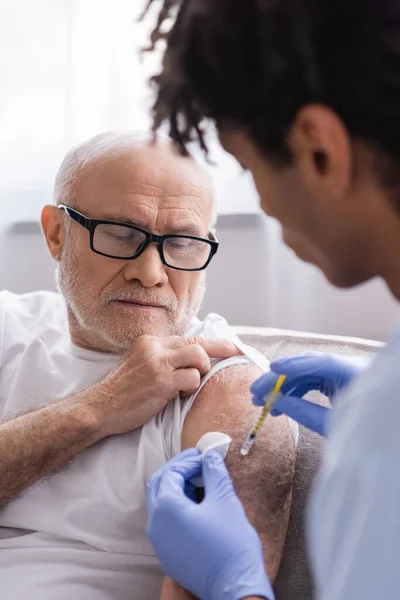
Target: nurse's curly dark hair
255, 63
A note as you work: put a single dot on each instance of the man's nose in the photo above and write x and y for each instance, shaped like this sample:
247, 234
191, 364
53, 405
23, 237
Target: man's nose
147, 268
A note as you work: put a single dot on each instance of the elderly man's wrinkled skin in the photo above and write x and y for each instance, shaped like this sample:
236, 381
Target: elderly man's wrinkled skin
112, 302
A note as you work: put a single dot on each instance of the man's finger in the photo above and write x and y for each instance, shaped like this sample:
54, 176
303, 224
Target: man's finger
217, 348
187, 381
192, 356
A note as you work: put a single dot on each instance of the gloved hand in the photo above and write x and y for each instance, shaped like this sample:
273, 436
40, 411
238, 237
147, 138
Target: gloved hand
210, 548
326, 373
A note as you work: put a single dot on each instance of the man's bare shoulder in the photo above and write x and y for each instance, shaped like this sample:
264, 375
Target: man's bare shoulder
225, 402
263, 479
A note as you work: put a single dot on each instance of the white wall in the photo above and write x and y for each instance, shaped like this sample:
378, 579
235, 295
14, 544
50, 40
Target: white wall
266, 285
75, 71
25, 264
248, 282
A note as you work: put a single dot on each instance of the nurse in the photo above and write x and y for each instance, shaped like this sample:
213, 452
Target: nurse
306, 95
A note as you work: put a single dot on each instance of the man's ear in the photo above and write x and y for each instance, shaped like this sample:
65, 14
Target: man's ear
52, 221
321, 146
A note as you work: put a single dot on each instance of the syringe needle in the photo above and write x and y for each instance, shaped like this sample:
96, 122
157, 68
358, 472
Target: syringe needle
270, 401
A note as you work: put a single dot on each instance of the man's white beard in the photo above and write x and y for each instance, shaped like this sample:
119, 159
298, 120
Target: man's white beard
85, 305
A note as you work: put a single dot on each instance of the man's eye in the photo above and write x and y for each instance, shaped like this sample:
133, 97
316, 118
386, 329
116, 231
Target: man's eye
122, 236
179, 243
125, 235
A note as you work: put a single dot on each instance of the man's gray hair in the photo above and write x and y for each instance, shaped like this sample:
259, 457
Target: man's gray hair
110, 143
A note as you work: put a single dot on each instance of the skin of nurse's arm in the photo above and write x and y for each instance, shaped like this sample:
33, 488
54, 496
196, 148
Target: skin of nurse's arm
263, 479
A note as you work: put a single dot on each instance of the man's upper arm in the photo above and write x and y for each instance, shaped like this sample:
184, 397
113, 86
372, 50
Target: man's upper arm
263, 479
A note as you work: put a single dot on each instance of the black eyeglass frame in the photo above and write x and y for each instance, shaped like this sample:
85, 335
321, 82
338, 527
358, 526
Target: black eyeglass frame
91, 224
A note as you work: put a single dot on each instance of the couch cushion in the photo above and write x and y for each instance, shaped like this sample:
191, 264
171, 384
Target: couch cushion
294, 581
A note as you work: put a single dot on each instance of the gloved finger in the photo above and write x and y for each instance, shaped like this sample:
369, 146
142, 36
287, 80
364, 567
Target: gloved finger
306, 413
264, 384
190, 491
176, 474
291, 364
258, 400
331, 371
302, 389
217, 481
310, 363
154, 481
300, 386
297, 390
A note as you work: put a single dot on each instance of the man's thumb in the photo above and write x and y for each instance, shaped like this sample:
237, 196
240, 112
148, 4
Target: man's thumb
218, 348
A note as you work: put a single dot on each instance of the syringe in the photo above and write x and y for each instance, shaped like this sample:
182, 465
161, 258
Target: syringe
269, 403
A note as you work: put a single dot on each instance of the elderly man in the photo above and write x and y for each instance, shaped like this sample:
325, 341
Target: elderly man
102, 379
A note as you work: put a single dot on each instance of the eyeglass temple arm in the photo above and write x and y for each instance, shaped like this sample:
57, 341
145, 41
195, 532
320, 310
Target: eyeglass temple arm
76, 216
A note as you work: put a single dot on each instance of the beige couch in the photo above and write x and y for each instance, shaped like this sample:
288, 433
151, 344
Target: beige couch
294, 580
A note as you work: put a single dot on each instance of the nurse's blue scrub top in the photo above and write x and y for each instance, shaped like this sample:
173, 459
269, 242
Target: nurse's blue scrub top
354, 514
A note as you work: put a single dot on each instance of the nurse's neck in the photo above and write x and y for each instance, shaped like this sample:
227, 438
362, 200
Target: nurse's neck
386, 247
377, 237
393, 280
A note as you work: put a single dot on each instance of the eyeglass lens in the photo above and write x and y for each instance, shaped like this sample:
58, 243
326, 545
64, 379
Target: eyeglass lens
125, 242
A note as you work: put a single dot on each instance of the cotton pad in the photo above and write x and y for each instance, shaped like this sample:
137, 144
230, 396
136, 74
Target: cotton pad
213, 440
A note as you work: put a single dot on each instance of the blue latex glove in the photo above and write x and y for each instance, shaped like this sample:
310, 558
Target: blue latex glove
326, 373
210, 548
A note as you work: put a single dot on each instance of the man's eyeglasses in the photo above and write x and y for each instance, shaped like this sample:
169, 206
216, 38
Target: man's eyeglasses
122, 241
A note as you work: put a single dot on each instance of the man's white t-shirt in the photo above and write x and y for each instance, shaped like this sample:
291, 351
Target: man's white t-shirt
82, 532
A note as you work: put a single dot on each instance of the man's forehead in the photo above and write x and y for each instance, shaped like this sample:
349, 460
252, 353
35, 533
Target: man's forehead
145, 175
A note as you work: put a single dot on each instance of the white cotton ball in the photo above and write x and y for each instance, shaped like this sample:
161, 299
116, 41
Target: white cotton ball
213, 440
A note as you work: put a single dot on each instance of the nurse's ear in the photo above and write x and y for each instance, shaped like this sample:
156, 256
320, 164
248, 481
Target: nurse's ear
54, 229
321, 147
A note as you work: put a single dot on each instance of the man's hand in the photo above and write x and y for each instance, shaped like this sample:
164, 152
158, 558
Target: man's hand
154, 371
37, 443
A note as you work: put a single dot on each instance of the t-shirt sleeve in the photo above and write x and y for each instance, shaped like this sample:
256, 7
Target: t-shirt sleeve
175, 413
